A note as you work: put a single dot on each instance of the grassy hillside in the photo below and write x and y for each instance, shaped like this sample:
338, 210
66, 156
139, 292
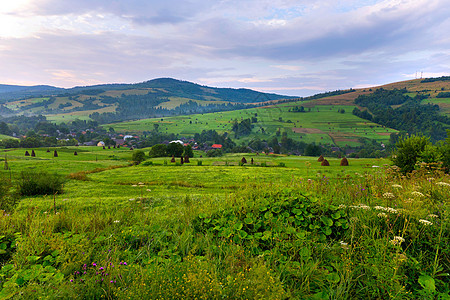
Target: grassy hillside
323, 124
283, 228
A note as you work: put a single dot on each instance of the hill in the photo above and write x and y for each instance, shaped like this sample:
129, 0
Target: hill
117, 102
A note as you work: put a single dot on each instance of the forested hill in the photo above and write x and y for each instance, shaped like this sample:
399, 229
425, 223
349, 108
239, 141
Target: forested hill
161, 87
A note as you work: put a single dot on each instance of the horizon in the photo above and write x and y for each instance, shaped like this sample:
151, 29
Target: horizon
282, 47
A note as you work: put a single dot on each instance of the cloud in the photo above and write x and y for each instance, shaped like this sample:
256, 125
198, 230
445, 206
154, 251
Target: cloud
285, 45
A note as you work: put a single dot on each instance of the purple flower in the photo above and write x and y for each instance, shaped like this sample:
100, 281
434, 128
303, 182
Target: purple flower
71, 280
101, 268
94, 264
124, 263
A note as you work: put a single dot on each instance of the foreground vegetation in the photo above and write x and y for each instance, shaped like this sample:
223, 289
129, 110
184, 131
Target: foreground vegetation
284, 227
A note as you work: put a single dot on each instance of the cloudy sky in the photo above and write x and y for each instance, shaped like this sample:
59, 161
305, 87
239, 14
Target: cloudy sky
293, 47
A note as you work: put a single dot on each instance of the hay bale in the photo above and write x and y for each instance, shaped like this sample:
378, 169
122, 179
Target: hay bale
325, 163
33, 154
48, 150
243, 160
26, 153
55, 154
320, 159
75, 153
344, 162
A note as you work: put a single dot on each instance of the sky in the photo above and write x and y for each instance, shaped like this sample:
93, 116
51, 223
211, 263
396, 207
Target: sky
290, 47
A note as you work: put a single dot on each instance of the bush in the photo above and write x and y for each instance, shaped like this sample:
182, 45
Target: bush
40, 183
138, 156
408, 151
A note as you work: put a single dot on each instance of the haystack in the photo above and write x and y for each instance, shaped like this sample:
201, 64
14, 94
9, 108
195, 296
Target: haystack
243, 160
75, 153
325, 163
173, 159
182, 160
55, 154
320, 159
186, 159
33, 154
26, 153
344, 162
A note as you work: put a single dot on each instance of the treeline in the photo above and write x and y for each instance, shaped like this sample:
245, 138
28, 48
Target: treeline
442, 78
410, 116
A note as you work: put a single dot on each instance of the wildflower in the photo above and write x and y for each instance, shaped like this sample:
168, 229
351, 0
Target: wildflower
388, 195
141, 183
71, 280
344, 245
342, 206
116, 221
382, 215
443, 183
397, 186
397, 240
101, 268
379, 207
425, 222
149, 190
94, 264
418, 194
134, 185
433, 216
391, 210
131, 199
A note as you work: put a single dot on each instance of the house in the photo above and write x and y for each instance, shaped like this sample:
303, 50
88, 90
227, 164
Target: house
101, 144
216, 146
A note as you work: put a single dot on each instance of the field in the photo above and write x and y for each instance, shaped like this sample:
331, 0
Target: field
284, 227
323, 124
2, 136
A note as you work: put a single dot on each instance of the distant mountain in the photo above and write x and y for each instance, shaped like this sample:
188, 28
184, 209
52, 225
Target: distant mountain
166, 87
12, 92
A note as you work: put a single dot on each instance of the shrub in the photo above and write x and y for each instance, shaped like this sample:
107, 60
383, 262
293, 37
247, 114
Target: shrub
40, 183
408, 151
138, 156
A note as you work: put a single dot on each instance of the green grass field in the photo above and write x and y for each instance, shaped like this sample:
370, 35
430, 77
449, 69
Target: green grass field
283, 228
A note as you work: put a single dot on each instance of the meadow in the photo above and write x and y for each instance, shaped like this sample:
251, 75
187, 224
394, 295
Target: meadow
283, 228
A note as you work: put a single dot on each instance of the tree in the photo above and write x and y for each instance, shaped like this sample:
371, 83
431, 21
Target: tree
188, 151
408, 152
138, 156
158, 150
175, 149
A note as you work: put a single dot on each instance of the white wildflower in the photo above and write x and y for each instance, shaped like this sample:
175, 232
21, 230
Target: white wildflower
116, 221
131, 199
433, 216
397, 186
397, 240
418, 194
363, 206
391, 210
344, 245
443, 183
425, 222
141, 183
134, 185
149, 190
379, 207
382, 215
388, 195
